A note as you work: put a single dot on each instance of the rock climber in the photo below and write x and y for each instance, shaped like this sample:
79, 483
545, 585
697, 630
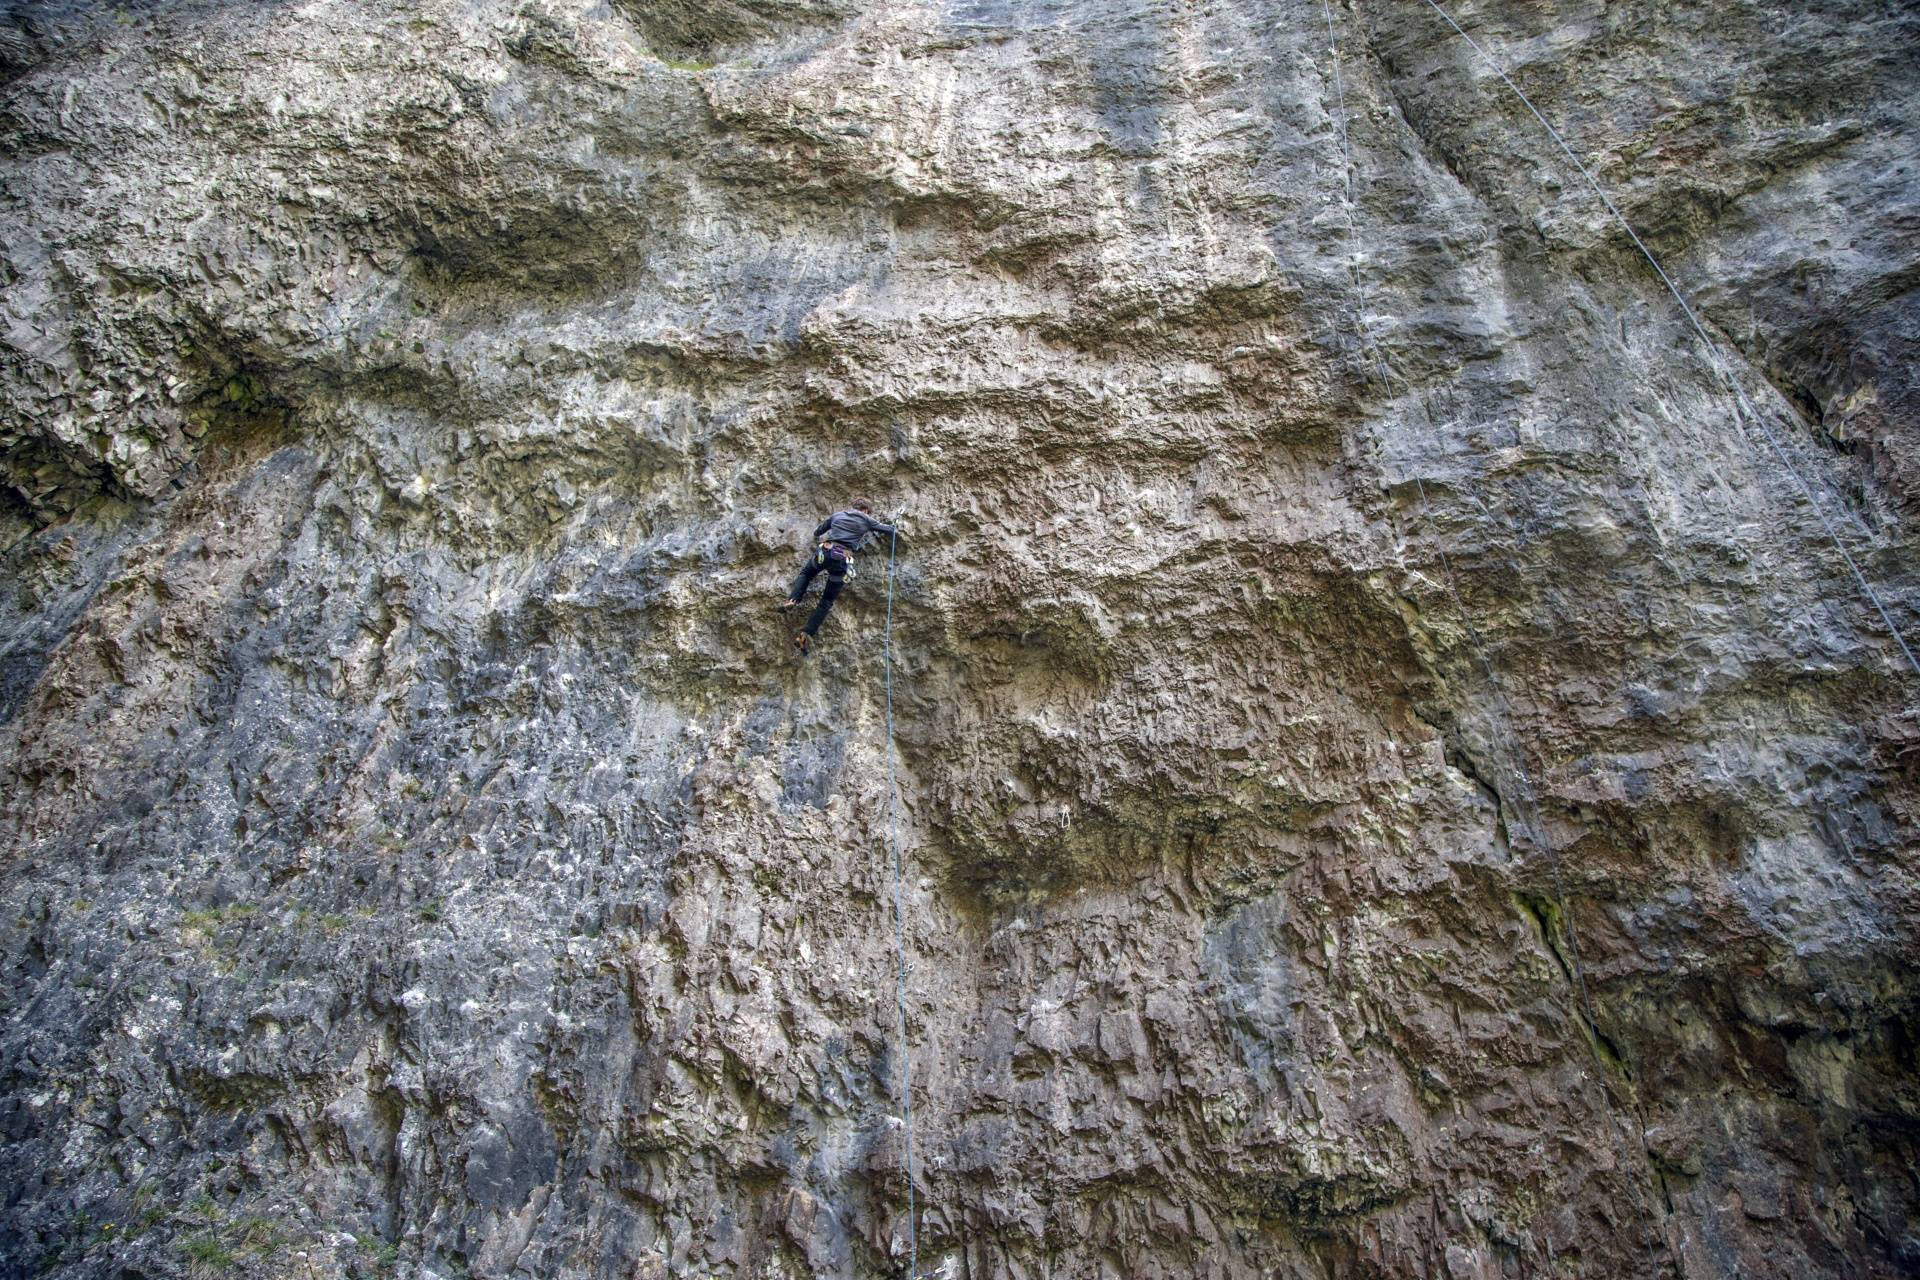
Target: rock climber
838, 538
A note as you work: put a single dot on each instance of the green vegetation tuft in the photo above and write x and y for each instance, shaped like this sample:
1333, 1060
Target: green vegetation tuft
384, 1255
256, 1234
207, 1252
212, 918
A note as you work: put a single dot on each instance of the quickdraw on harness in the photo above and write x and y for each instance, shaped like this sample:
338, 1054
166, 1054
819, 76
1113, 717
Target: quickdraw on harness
829, 552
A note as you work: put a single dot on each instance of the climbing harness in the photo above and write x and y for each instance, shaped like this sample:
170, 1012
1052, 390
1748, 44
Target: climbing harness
1504, 708
830, 552
899, 927
1746, 407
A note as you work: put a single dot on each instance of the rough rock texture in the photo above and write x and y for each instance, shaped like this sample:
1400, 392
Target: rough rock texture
423, 858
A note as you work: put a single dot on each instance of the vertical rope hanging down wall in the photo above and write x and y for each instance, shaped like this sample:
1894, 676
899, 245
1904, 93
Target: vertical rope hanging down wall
900, 928
1745, 407
1529, 813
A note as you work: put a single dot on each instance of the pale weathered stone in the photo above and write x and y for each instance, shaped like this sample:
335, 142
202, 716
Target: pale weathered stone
425, 857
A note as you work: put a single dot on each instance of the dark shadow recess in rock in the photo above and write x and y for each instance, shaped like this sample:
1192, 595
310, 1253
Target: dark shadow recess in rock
694, 30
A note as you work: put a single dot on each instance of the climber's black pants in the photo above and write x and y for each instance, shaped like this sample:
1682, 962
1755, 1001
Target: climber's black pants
835, 564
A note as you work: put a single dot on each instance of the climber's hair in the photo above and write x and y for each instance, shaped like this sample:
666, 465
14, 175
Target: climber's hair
861, 504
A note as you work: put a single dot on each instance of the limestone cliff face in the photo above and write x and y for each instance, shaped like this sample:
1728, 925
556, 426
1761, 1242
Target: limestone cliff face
423, 856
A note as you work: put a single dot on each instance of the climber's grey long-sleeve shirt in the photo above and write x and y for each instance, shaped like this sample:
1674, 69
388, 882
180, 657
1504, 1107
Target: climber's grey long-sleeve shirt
851, 529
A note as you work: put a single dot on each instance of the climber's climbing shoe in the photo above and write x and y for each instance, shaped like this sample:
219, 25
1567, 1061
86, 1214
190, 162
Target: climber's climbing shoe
786, 606
804, 643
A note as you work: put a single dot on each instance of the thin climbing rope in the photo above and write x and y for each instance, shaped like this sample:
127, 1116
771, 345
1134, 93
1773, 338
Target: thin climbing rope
1713, 348
900, 928
1503, 707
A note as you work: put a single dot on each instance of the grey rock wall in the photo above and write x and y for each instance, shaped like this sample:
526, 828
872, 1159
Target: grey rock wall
1335, 586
